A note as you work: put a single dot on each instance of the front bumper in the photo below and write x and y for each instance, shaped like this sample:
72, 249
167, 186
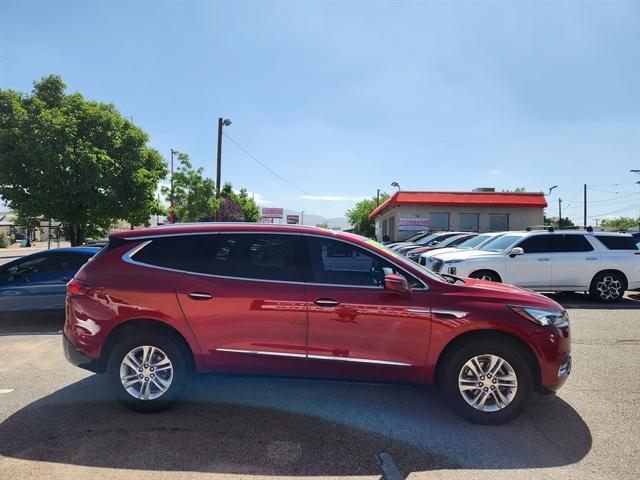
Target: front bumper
79, 359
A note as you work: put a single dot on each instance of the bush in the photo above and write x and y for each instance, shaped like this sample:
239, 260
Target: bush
5, 242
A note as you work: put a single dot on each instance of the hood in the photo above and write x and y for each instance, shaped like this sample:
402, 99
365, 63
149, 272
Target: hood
440, 251
510, 294
464, 254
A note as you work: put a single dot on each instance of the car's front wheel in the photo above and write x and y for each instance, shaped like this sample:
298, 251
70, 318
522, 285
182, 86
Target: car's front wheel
486, 275
487, 381
148, 371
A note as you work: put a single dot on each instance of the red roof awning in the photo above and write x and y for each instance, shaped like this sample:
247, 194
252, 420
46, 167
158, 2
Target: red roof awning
475, 199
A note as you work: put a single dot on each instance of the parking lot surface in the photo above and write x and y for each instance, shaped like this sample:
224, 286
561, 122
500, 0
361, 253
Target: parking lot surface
58, 421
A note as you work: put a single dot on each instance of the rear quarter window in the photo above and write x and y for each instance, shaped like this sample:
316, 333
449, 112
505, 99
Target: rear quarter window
614, 242
176, 253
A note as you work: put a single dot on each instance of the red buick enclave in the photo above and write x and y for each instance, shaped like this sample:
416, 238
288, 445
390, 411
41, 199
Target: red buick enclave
156, 305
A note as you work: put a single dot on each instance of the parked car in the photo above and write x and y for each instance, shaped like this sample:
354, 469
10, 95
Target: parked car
411, 239
474, 242
430, 240
452, 241
603, 264
158, 304
36, 283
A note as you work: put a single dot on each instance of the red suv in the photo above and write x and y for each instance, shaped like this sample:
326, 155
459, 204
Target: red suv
156, 305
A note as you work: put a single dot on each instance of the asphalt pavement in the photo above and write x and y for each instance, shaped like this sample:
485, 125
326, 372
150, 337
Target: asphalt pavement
59, 422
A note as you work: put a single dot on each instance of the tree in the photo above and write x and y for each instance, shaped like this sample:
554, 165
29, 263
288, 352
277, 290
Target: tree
622, 223
358, 216
230, 211
194, 195
74, 160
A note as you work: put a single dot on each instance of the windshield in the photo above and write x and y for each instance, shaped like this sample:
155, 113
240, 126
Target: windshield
427, 239
417, 236
474, 242
500, 243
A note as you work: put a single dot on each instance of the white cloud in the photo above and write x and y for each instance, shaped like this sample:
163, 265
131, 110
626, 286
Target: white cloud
259, 199
330, 198
496, 172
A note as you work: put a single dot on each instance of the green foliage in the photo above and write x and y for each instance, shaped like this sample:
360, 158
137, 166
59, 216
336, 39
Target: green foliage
358, 216
194, 195
622, 223
230, 211
249, 208
74, 160
5, 241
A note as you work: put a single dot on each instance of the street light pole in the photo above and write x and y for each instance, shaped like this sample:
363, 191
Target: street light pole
222, 122
378, 198
302, 217
172, 216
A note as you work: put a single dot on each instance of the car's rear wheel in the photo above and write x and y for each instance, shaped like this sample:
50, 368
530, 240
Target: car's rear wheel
486, 275
487, 381
607, 287
148, 371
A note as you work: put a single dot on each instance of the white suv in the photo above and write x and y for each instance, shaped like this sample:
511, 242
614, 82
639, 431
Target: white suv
603, 264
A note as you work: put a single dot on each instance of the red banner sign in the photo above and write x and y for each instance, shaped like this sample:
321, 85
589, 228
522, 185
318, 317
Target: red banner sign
272, 212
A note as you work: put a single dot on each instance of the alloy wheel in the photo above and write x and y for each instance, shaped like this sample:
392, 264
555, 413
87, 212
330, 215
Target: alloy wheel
146, 372
488, 382
609, 288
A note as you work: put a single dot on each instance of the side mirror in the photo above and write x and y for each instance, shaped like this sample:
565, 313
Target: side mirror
515, 251
397, 283
13, 271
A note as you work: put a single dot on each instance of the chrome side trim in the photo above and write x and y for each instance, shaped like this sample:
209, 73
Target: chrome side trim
314, 357
450, 313
127, 257
418, 310
261, 352
359, 360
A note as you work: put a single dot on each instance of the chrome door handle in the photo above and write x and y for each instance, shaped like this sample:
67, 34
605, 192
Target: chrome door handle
200, 295
544, 259
326, 302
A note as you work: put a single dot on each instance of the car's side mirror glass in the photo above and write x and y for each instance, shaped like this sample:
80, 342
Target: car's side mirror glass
515, 251
397, 283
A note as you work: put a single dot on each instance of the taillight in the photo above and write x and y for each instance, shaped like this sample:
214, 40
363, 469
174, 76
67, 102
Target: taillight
74, 287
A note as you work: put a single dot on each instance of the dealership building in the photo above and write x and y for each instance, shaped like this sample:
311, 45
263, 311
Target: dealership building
482, 210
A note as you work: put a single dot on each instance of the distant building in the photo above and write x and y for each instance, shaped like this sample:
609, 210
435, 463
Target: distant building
482, 210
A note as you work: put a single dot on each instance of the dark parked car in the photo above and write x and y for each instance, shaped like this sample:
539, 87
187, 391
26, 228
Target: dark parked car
36, 283
157, 305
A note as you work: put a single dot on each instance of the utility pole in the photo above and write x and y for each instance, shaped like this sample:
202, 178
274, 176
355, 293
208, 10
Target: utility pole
378, 198
302, 217
172, 215
585, 205
222, 122
638, 182
559, 212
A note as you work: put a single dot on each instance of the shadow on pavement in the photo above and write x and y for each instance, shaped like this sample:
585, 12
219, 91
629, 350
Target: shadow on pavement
582, 301
31, 323
249, 425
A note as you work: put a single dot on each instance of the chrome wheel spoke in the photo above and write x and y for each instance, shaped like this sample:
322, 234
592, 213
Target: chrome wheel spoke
146, 372
487, 382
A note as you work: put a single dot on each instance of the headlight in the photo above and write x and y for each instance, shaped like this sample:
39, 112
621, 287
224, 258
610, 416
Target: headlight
546, 317
449, 262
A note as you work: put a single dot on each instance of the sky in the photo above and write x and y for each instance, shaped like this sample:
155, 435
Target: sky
340, 99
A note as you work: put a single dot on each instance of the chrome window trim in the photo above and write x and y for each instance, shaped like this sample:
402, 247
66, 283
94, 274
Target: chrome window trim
127, 257
314, 357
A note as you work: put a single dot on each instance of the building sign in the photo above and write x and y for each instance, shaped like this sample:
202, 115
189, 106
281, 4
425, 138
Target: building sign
413, 224
293, 219
272, 212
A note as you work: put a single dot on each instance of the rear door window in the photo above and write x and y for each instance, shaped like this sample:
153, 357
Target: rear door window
564, 243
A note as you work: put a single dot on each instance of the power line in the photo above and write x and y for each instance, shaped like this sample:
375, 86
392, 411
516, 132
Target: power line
270, 170
633, 205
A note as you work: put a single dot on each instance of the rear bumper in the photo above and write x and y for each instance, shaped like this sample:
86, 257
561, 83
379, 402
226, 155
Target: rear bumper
79, 359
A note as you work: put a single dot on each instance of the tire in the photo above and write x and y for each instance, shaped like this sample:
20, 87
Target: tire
172, 371
486, 275
456, 372
607, 287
